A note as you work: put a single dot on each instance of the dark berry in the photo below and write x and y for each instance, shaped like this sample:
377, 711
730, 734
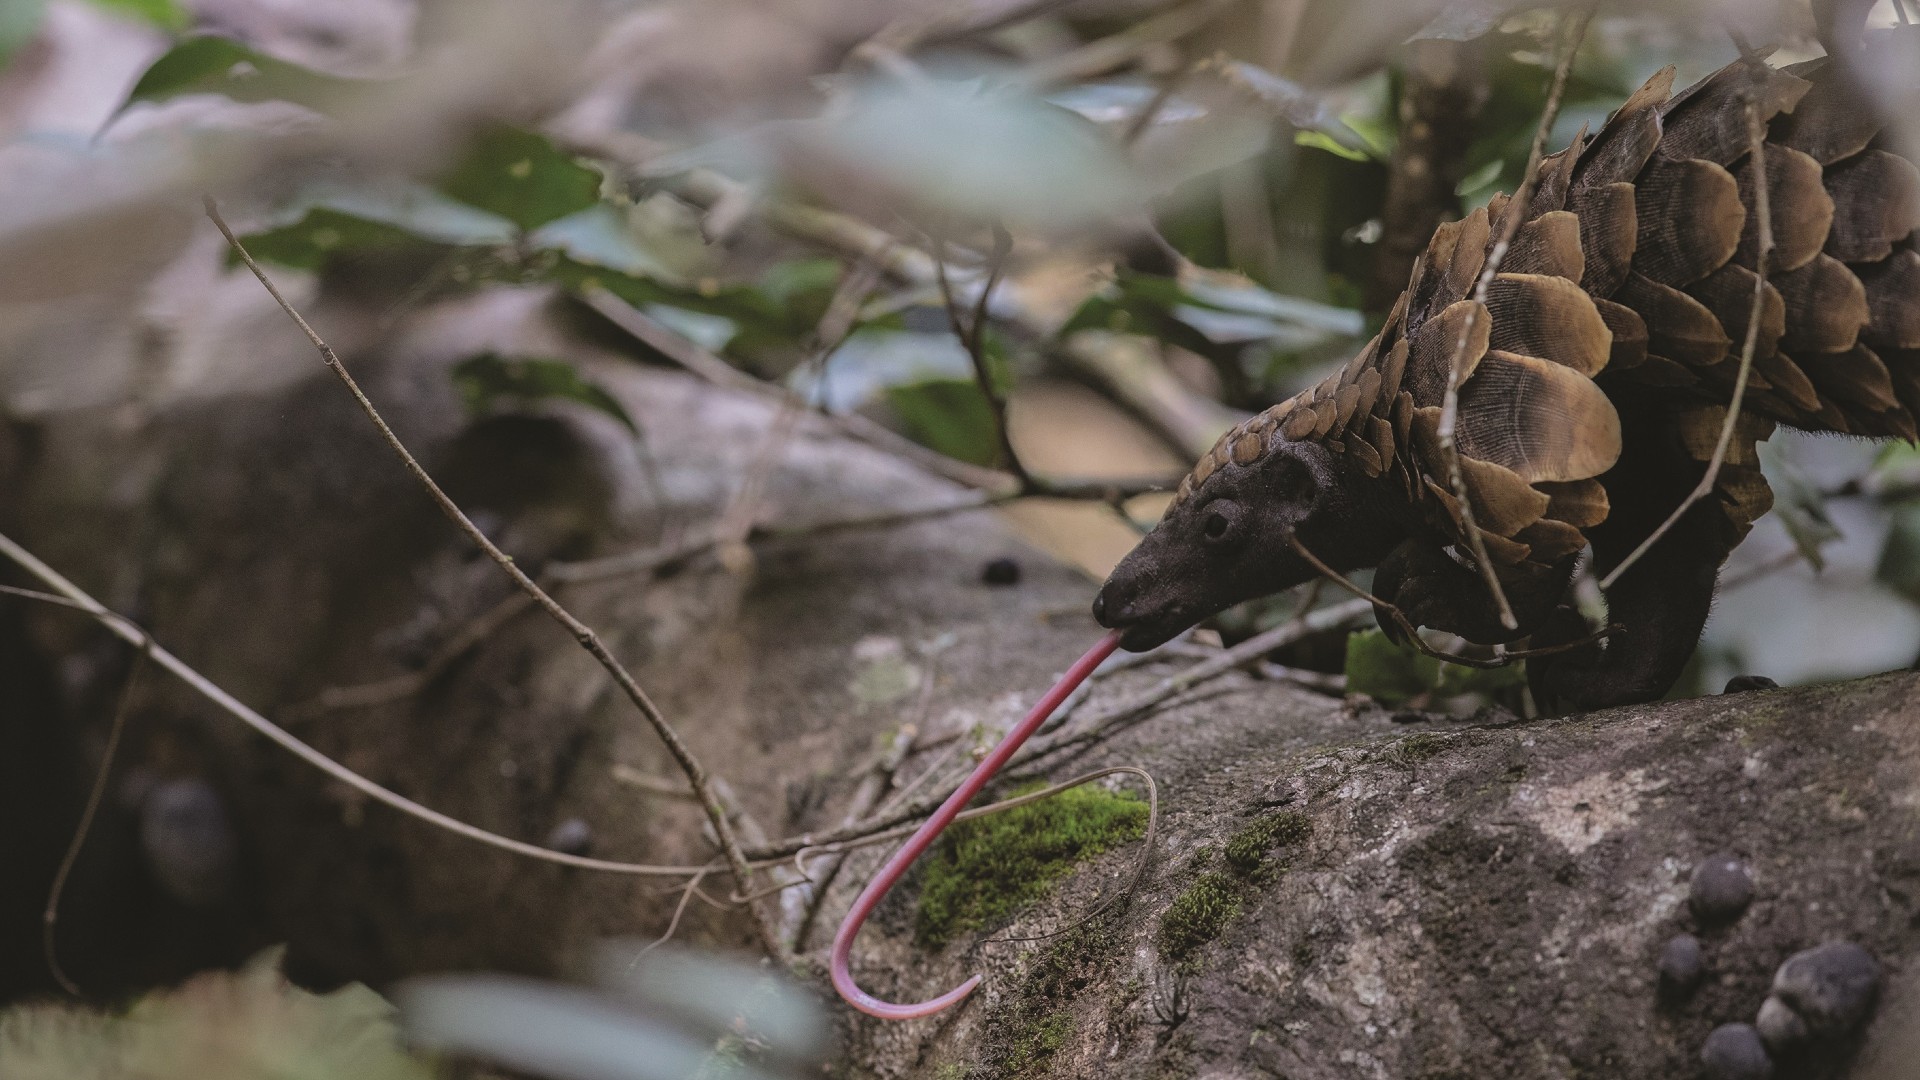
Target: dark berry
1832, 987
1722, 889
1681, 966
1735, 1052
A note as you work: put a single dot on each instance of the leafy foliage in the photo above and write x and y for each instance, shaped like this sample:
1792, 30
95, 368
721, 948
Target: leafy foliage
1395, 674
165, 14
949, 415
220, 1026
522, 177
489, 381
216, 65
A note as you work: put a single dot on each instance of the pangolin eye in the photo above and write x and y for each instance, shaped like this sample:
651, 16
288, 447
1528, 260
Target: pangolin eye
1220, 520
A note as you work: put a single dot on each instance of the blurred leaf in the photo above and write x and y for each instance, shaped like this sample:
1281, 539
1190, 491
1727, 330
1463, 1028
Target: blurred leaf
994, 154
1900, 559
1321, 141
599, 236
165, 14
341, 221
1217, 309
1389, 673
487, 381
556, 1031
249, 1023
217, 65
950, 416
1460, 679
724, 994
522, 177
1799, 504
1896, 472
19, 22
1463, 20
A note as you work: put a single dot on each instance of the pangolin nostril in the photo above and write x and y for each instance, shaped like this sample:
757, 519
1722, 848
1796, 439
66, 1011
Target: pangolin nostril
1100, 608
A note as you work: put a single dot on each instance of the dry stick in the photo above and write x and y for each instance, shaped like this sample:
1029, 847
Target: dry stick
583, 634
1244, 653
973, 339
1413, 636
736, 521
1756, 138
131, 633
50, 916
872, 788
1510, 224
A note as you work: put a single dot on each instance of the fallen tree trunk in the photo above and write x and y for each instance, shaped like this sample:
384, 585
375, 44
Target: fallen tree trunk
1333, 893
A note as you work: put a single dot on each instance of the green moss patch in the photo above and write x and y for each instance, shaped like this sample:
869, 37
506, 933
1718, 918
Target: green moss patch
1199, 914
985, 870
1039, 1020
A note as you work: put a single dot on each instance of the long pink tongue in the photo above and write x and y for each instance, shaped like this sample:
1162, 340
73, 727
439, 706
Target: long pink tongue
930, 831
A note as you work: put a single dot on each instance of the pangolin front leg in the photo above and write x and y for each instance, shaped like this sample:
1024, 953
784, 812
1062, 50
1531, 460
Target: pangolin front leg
1433, 589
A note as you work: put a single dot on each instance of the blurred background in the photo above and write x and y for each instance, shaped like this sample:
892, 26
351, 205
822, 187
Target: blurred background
1045, 250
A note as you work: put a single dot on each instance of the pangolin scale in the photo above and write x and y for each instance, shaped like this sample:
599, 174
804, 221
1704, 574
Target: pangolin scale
1598, 372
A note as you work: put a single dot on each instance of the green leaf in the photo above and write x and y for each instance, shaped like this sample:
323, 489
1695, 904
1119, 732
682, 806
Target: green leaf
1389, 673
326, 224
522, 177
1799, 504
217, 65
489, 381
165, 14
951, 416
1900, 559
1493, 682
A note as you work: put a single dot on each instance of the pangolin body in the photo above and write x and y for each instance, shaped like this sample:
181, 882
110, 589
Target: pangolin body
1598, 372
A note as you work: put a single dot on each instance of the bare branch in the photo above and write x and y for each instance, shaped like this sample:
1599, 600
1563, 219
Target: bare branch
50, 917
1510, 224
581, 632
131, 633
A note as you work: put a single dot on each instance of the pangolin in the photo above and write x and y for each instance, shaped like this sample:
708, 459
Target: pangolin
1597, 378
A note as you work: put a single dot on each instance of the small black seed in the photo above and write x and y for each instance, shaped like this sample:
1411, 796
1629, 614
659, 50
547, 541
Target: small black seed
1001, 571
1735, 1052
1832, 987
1740, 684
571, 837
1681, 966
1722, 889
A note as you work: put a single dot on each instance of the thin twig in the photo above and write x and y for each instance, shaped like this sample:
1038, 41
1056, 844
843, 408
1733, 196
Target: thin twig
972, 336
872, 788
836, 324
1509, 224
131, 633
1763, 217
581, 633
50, 917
